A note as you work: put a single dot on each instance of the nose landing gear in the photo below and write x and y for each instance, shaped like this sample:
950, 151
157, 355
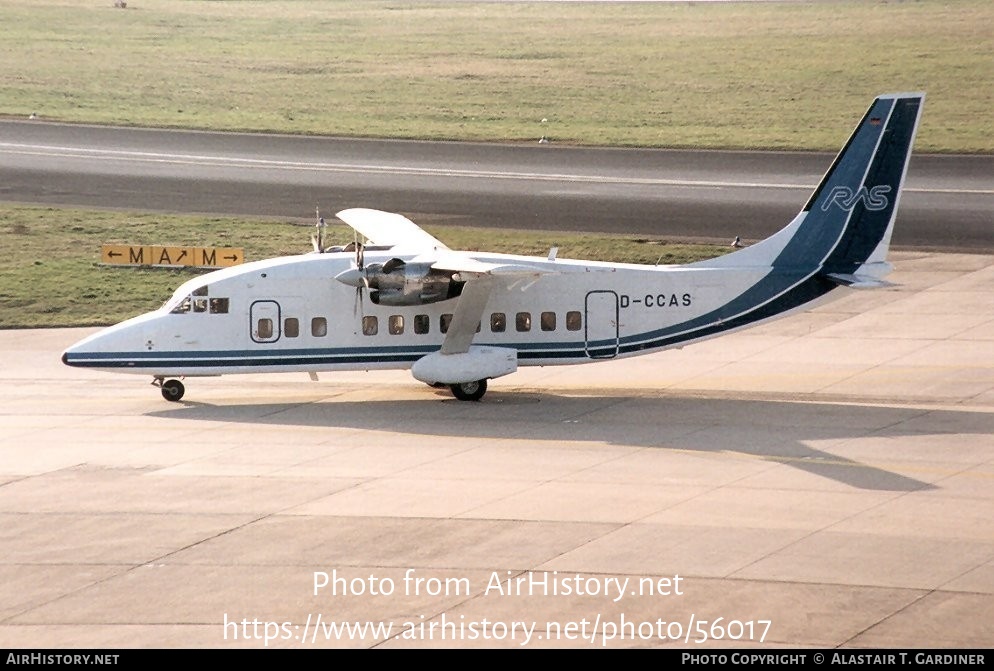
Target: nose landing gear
172, 390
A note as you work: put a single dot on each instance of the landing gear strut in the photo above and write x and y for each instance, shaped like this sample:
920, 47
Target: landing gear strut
469, 391
172, 390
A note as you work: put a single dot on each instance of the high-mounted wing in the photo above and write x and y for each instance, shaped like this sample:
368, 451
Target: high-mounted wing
481, 277
390, 229
468, 266
428, 267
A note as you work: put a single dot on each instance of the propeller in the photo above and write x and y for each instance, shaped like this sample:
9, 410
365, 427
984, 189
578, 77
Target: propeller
364, 283
317, 240
356, 275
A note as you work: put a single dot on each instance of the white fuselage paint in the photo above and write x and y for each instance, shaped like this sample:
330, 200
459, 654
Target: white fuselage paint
622, 311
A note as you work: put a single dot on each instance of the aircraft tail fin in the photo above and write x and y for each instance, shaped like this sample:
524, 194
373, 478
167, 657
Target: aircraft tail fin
845, 228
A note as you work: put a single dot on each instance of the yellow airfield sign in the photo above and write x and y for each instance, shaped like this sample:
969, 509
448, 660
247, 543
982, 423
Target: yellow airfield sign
172, 257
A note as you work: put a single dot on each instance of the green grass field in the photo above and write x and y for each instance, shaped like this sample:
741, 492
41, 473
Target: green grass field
708, 75
55, 277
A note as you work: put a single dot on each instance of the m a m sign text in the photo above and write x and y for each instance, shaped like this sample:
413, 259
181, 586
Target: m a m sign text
171, 257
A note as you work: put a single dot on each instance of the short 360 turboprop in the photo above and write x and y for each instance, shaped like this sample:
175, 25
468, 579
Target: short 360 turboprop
405, 300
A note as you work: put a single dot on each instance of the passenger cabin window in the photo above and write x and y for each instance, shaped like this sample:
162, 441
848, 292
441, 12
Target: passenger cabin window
523, 321
291, 327
573, 321
421, 324
498, 322
319, 327
265, 330
444, 322
369, 326
548, 321
396, 324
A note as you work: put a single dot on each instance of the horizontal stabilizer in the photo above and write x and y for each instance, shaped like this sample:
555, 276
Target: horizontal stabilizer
858, 281
866, 276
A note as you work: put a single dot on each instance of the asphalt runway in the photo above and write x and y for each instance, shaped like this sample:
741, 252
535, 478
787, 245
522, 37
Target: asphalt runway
822, 481
715, 196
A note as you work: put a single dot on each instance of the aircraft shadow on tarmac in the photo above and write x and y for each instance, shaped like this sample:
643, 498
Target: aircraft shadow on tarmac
773, 430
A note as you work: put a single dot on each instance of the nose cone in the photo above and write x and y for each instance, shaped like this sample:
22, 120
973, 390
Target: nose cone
76, 354
352, 277
82, 354
111, 348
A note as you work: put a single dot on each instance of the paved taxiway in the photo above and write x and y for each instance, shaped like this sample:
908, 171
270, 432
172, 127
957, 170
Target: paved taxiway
831, 473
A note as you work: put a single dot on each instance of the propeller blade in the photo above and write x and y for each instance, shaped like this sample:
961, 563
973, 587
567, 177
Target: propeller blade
356, 276
357, 310
317, 240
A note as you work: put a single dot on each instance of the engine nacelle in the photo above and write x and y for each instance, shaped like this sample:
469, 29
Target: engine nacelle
397, 282
479, 363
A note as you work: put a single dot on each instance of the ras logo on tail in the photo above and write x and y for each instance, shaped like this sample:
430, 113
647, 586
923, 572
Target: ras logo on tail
402, 299
873, 199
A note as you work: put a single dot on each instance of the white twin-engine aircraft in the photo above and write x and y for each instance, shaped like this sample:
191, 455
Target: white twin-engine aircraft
405, 300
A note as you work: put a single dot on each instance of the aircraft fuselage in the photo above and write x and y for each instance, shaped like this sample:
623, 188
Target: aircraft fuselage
289, 314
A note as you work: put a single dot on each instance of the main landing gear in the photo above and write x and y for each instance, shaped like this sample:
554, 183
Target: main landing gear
469, 391
172, 390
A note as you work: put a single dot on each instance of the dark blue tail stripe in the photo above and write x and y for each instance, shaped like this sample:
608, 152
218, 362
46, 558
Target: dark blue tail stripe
867, 227
824, 226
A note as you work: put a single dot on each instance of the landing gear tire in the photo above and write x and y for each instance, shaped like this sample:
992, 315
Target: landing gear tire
469, 391
172, 390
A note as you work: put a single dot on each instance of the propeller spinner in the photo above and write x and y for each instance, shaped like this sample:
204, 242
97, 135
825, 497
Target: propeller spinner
356, 276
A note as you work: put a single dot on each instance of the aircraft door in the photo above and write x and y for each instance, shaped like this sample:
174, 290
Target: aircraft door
601, 325
264, 321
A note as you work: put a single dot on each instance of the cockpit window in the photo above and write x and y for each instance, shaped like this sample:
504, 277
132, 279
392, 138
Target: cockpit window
182, 307
198, 301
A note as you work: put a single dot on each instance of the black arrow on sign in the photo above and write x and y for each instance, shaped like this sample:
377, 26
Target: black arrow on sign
233, 257
113, 254
181, 255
